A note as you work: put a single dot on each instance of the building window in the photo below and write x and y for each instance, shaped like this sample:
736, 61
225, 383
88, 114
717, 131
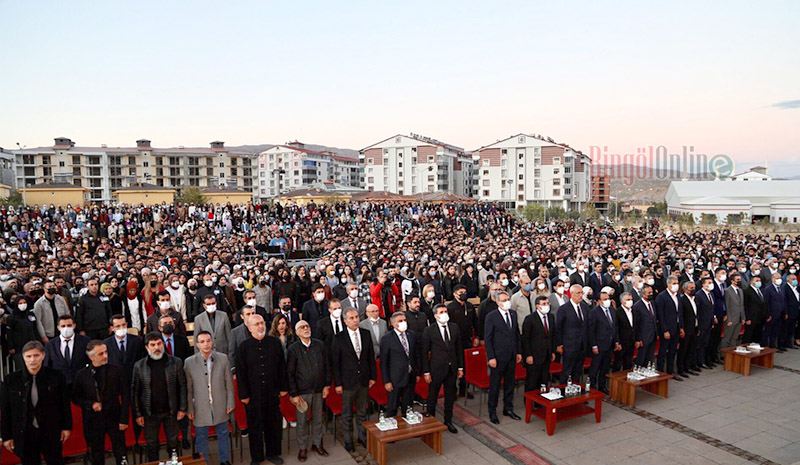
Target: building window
397, 140
132, 171
521, 139
222, 164
521, 197
521, 177
567, 170
145, 164
537, 193
556, 182
557, 192
371, 180
556, 170
556, 160
61, 164
567, 191
486, 162
430, 158
131, 160
504, 151
521, 155
567, 180
485, 193
370, 161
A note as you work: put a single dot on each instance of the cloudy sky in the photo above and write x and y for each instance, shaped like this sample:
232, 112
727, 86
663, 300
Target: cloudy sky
719, 76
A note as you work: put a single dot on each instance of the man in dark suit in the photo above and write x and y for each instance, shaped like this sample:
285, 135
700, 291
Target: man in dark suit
755, 311
35, 416
165, 308
442, 362
174, 344
688, 273
504, 351
626, 324
103, 395
645, 326
571, 334
720, 314
315, 309
776, 308
462, 314
603, 340
67, 352
285, 308
329, 327
352, 300
670, 326
538, 344
596, 281
399, 364
704, 300
792, 310
354, 372
125, 350
688, 343
579, 276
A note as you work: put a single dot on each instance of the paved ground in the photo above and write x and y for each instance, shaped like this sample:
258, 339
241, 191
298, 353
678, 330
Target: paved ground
718, 417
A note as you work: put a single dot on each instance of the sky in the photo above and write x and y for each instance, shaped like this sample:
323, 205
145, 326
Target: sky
721, 76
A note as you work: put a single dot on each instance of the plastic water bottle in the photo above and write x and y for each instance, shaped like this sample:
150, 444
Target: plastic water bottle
174, 457
382, 419
569, 380
124, 460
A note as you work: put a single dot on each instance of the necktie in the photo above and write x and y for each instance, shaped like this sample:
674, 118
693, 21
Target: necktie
67, 355
358, 346
579, 312
759, 294
34, 400
446, 335
122, 349
508, 320
546, 327
405, 347
169, 346
338, 328
650, 309
608, 315
710, 298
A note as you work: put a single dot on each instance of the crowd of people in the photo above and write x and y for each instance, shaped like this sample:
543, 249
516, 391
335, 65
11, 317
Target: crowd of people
96, 302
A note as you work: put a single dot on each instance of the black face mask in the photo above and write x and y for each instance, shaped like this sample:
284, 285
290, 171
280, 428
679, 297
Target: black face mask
153, 283
193, 287
287, 308
168, 329
51, 291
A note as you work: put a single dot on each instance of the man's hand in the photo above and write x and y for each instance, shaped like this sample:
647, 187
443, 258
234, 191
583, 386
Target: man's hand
552, 357
475, 343
666, 335
638, 344
82, 333
427, 377
244, 401
617, 347
388, 387
493, 363
338, 389
529, 359
45, 339
730, 323
748, 322
595, 350
460, 373
725, 318
716, 322
325, 391
181, 415
417, 380
786, 317
191, 416
519, 358
65, 433
12, 352
228, 411
123, 426
483, 343
769, 318
97, 406
371, 382
560, 349
9, 445
140, 421
683, 333
295, 400
284, 393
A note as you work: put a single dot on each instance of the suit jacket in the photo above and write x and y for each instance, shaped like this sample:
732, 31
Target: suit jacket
52, 412
755, 308
261, 370
181, 348
775, 300
113, 392
44, 315
440, 358
134, 351
395, 362
645, 323
209, 412
325, 332
220, 332
313, 313
152, 322
54, 358
361, 306
350, 371
383, 328
465, 318
576, 278
294, 317
792, 303
626, 331
689, 317
596, 284
668, 313
502, 343
571, 332
705, 310
719, 302
176, 387
238, 335
555, 305
603, 333
523, 305
535, 342
734, 304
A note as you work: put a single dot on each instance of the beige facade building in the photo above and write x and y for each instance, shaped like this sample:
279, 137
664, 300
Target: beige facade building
58, 194
146, 194
222, 196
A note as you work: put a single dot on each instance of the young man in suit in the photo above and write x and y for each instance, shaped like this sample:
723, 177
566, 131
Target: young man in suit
792, 310
315, 309
626, 325
734, 310
571, 334
720, 314
285, 307
176, 345
218, 325
67, 352
645, 327
354, 301
776, 307
104, 397
504, 351
399, 364
705, 321
670, 326
755, 311
442, 363
328, 328
124, 350
354, 372
603, 340
538, 344
688, 343
462, 314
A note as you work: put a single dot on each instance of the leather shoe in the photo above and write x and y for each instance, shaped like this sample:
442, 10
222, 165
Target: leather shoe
451, 427
348, 446
683, 374
470, 395
493, 418
363, 442
692, 372
675, 377
185, 445
276, 459
512, 415
320, 450
302, 455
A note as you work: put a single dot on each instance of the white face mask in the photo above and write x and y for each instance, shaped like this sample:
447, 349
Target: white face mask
163, 305
373, 320
628, 303
175, 284
559, 290
337, 313
606, 303
208, 283
504, 282
443, 318
319, 296
120, 333
708, 287
22, 307
354, 294
651, 281
211, 308
544, 309
402, 326
251, 302
540, 286
506, 305
67, 332
778, 282
639, 285
431, 295
674, 288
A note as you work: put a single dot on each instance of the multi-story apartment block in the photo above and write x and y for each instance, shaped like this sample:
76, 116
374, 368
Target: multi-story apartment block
284, 168
525, 169
105, 169
413, 164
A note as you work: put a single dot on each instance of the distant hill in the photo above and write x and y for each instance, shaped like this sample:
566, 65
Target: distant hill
319, 148
631, 182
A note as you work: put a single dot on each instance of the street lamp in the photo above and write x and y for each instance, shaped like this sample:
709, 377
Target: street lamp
24, 190
616, 206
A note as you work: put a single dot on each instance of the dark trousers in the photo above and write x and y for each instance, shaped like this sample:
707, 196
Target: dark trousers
687, 352
38, 444
572, 366
537, 374
601, 363
623, 359
714, 338
97, 333
401, 397
95, 428
462, 383
702, 346
503, 373
646, 353
449, 383
265, 428
357, 397
667, 351
788, 330
753, 332
769, 337
152, 424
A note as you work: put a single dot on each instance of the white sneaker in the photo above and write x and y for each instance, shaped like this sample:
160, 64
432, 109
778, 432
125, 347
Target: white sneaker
293, 424
284, 423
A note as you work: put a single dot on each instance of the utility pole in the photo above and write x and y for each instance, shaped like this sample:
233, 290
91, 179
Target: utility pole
24, 190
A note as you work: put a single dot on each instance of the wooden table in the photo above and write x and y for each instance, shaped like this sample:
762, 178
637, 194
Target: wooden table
624, 390
186, 459
740, 363
562, 409
429, 430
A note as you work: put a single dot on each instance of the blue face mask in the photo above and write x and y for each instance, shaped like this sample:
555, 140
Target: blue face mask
794, 282
758, 284
528, 288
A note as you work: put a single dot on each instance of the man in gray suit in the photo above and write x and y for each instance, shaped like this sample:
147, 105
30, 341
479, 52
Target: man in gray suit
218, 325
734, 303
239, 334
209, 391
353, 301
376, 326
47, 309
557, 298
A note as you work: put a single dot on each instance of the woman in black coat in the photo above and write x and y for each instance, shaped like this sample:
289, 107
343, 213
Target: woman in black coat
20, 328
470, 281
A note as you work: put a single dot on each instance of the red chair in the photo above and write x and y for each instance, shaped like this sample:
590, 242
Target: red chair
76, 444
378, 392
240, 418
289, 412
8, 458
476, 372
334, 404
520, 373
422, 388
587, 363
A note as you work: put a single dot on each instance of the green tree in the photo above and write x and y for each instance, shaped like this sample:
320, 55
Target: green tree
556, 213
590, 212
709, 219
657, 209
14, 199
191, 195
533, 212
